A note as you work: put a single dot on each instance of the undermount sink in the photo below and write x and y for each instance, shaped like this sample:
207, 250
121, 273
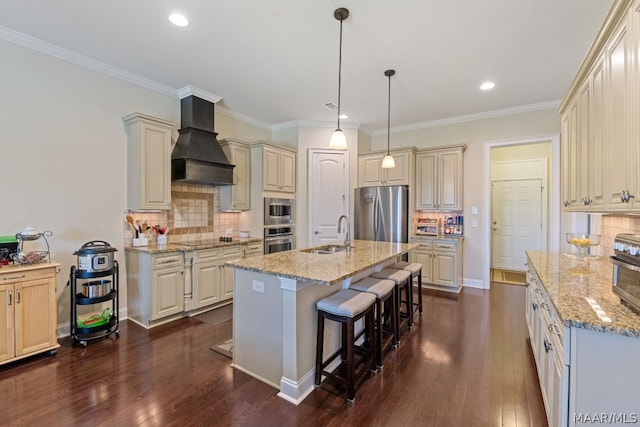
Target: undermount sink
326, 249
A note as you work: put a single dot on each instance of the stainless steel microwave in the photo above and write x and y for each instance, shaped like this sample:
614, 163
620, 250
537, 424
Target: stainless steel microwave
278, 211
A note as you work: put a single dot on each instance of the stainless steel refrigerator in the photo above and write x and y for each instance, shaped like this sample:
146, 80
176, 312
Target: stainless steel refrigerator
382, 213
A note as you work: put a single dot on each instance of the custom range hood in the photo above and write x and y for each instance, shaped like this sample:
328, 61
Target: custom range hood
197, 156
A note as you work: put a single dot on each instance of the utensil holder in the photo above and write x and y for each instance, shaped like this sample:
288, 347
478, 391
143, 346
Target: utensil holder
162, 239
141, 241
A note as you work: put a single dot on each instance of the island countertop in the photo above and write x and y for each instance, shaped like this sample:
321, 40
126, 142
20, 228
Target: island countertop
570, 282
324, 269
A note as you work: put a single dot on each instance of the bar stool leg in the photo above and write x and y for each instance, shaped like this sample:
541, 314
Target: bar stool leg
319, 349
351, 391
420, 291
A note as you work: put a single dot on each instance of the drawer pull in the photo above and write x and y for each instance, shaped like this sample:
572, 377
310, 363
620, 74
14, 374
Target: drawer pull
169, 261
13, 277
547, 346
553, 328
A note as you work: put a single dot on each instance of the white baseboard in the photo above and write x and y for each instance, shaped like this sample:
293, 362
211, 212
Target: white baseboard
474, 283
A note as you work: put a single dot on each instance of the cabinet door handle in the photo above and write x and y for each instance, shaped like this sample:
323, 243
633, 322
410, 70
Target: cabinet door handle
13, 277
10, 298
18, 298
553, 328
534, 306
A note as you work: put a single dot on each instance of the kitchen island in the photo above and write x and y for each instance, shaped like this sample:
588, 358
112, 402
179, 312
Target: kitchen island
585, 342
274, 309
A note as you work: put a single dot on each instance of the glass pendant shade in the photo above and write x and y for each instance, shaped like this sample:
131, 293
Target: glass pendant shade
338, 140
388, 162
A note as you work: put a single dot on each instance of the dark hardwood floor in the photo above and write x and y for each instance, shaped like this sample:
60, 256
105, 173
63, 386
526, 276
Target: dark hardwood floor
467, 362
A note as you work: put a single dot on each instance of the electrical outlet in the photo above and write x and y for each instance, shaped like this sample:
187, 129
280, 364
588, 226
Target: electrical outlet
229, 231
257, 286
474, 210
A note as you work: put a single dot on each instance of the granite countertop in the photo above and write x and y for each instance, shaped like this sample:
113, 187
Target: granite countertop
569, 282
191, 245
324, 269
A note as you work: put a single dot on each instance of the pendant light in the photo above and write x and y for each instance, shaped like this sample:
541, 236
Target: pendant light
338, 140
388, 161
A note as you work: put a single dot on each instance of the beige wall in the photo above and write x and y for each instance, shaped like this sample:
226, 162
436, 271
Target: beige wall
478, 135
63, 153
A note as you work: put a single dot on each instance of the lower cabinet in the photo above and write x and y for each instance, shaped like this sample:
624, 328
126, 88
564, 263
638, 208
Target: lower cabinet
155, 286
165, 286
441, 261
212, 280
28, 311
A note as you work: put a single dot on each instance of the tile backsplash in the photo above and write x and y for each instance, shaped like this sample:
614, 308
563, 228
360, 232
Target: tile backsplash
612, 225
194, 215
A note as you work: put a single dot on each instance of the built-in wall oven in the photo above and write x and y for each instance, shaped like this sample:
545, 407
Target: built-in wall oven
626, 269
278, 239
278, 211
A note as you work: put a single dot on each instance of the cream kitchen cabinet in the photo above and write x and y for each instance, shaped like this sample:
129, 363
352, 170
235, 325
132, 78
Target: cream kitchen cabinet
148, 162
441, 261
212, 280
237, 197
253, 249
28, 311
278, 166
439, 178
155, 286
372, 174
599, 133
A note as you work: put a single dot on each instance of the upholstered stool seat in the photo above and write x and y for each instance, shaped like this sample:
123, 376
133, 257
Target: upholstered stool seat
384, 290
346, 307
402, 280
416, 272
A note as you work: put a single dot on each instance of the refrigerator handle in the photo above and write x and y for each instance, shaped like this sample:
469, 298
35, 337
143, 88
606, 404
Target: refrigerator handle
375, 217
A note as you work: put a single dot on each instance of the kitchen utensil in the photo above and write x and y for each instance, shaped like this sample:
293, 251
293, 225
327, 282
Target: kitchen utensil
130, 221
96, 288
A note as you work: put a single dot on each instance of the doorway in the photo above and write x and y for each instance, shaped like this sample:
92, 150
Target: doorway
524, 160
516, 222
328, 194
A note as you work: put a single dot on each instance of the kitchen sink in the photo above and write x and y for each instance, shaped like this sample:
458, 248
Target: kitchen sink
326, 249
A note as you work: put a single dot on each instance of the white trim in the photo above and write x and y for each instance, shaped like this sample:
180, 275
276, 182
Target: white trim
294, 285
471, 117
83, 61
312, 123
474, 283
296, 391
225, 111
200, 93
554, 196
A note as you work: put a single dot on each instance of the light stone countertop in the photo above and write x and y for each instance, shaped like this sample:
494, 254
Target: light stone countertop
191, 245
569, 282
324, 269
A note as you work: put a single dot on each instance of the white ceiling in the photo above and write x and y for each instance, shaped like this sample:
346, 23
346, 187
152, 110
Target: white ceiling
277, 61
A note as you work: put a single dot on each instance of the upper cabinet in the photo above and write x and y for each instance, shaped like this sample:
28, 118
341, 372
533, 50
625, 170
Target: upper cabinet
599, 131
371, 173
148, 162
278, 166
439, 178
237, 197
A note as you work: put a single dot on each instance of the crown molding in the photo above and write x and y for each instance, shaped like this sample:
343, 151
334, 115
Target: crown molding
200, 93
221, 109
313, 124
82, 61
472, 117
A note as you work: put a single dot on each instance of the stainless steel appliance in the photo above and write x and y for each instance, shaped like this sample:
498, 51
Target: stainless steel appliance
626, 269
382, 213
95, 256
278, 211
278, 239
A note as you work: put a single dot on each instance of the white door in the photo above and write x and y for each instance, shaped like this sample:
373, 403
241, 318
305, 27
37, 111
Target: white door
328, 195
516, 224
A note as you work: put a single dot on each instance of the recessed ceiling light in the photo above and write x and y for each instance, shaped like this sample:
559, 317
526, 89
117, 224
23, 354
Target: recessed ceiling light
487, 85
178, 20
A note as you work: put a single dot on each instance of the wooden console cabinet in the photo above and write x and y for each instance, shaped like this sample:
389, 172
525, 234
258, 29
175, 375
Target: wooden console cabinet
28, 311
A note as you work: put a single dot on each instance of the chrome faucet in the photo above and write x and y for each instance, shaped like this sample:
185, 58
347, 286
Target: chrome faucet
347, 243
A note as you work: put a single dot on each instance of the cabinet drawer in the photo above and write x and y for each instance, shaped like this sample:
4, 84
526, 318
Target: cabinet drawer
442, 246
206, 255
166, 261
227, 252
22, 275
252, 250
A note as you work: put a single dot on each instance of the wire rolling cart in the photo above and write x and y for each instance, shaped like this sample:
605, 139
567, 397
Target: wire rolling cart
106, 289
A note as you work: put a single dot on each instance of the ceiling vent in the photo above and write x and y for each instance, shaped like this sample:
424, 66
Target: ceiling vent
330, 106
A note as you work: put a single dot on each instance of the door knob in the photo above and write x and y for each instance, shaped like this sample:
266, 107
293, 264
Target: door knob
316, 232
494, 228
